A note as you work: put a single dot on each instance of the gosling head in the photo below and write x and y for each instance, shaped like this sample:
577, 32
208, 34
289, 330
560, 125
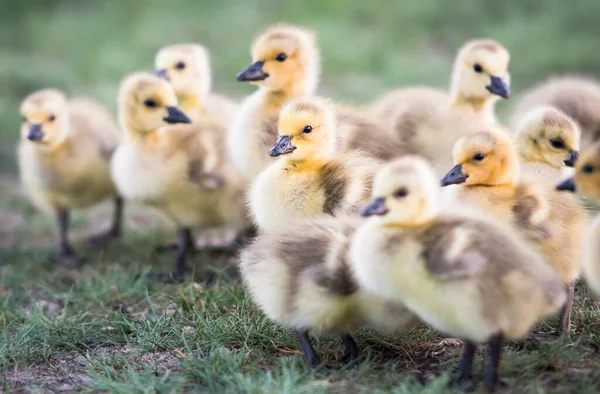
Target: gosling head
306, 130
486, 158
405, 193
186, 67
548, 135
284, 58
147, 102
587, 174
44, 116
481, 72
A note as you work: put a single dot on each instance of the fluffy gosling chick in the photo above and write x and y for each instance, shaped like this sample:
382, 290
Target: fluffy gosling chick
64, 157
480, 77
168, 165
187, 68
286, 66
487, 171
300, 277
587, 182
578, 97
547, 143
308, 181
465, 276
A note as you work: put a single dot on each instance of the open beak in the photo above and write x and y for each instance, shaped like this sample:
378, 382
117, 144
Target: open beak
499, 87
455, 176
282, 146
375, 207
253, 73
162, 74
35, 133
568, 184
174, 115
570, 162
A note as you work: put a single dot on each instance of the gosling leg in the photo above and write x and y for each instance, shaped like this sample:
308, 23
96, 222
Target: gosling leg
353, 351
564, 321
114, 231
185, 244
310, 356
491, 372
67, 254
466, 363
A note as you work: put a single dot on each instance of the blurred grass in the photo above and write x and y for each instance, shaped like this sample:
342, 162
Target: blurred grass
103, 329
86, 47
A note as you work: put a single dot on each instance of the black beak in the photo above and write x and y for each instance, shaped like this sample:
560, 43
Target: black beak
282, 146
253, 73
176, 116
499, 87
455, 176
35, 132
570, 162
375, 207
161, 74
569, 185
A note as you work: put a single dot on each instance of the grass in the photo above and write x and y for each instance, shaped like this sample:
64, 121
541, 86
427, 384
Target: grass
102, 329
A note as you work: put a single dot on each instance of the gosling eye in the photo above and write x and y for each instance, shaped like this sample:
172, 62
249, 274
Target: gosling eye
478, 156
150, 103
180, 66
588, 169
477, 67
51, 118
23, 119
401, 193
281, 57
557, 143
307, 129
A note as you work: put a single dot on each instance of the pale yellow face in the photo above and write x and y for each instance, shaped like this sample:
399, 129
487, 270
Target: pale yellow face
306, 130
44, 117
485, 158
405, 192
587, 175
186, 67
147, 102
550, 136
481, 71
283, 57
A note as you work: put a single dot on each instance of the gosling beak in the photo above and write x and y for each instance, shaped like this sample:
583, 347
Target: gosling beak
375, 207
282, 146
253, 73
174, 115
570, 162
499, 87
455, 176
162, 74
568, 184
35, 132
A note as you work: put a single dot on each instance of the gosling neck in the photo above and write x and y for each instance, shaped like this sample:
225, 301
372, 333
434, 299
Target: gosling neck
275, 99
304, 165
483, 107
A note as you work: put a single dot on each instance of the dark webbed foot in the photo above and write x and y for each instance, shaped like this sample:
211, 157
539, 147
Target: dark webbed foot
310, 356
466, 364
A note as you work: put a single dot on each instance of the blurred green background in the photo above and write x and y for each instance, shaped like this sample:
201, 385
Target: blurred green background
87, 46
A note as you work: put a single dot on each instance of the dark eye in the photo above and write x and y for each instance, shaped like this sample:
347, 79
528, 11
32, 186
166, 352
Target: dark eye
557, 143
281, 57
477, 67
478, 157
307, 129
400, 193
180, 66
588, 169
150, 103
51, 118
23, 119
